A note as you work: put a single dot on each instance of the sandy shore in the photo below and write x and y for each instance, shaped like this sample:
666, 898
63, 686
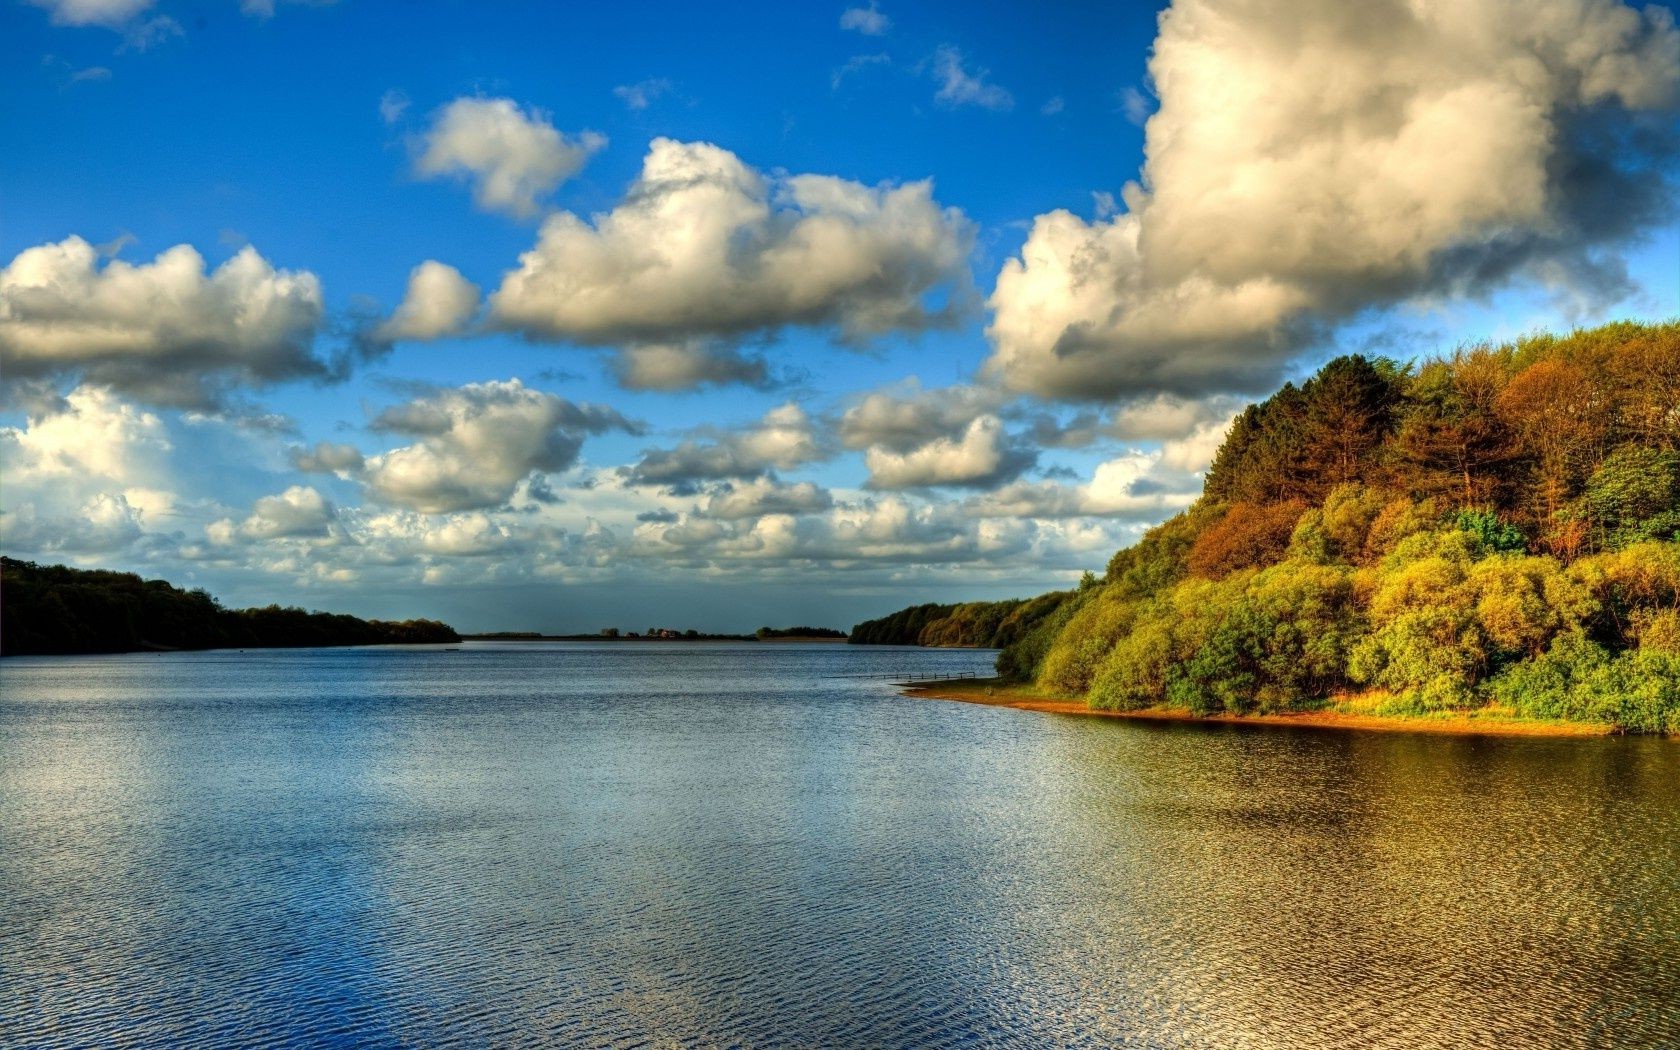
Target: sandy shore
993, 693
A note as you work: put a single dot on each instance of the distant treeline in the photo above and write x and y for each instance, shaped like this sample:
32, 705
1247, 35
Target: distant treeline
56, 609
978, 625
798, 632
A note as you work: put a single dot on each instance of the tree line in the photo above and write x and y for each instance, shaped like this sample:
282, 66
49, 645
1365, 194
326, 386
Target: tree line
56, 609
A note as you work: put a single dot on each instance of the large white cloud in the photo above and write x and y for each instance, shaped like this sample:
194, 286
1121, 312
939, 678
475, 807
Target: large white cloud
761, 496
1310, 159
906, 415
783, 439
513, 158
476, 443
703, 245
166, 331
438, 302
983, 456
686, 365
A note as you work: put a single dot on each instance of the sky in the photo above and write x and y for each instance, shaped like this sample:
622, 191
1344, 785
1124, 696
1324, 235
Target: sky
558, 317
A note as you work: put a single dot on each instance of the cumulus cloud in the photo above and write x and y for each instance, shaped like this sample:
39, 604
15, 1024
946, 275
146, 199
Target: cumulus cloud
1133, 486
91, 434
687, 365
704, 246
476, 443
905, 416
1309, 160
761, 496
439, 302
1166, 416
960, 87
168, 331
112, 14
866, 20
513, 157
297, 513
328, 458
783, 439
984, 455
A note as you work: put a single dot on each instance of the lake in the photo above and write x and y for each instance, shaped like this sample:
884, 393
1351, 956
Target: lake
693, 844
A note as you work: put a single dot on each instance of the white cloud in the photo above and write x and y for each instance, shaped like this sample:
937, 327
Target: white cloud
1165, 416
905, 416
783, 439
981, 457
439, 302
1306, 162
392, 105
1135, 105
297, 513
328, 458
264, 9
960, 87
94, 435
513, 157
112, 14
476, 443
856, 64
703, 245
866, 20
642, 94
761, 496
166, 331
684, 366
1133, 486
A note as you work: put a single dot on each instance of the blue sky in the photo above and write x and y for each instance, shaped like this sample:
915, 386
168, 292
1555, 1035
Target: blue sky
914, 392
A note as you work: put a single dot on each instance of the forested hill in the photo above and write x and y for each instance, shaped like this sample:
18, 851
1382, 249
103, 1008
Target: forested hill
56, 609
1494, 528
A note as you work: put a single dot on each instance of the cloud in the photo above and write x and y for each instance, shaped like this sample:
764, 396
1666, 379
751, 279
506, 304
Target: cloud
112, 14
959, 87
1134, 105
1053, 106
392, 105
328, 458
264, 9
1136, 486
1165, 416
476, 443
866, 20
298, 512
1311, 160
166, 331
761, 496
905, 416
512, 157
685, 366
982, 457
91, 435
782, 440
439, 302
642, 94
856, 64
704, 246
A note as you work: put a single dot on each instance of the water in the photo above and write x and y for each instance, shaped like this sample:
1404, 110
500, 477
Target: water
729, 845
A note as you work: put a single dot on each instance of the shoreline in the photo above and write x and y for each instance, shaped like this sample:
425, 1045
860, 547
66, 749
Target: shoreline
993, 693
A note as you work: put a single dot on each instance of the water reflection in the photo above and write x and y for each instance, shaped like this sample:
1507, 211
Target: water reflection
709, 844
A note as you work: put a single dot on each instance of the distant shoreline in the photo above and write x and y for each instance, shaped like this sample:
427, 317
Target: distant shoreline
993, 692
524, 637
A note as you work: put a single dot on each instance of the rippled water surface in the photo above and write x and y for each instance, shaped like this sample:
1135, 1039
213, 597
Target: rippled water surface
742, 845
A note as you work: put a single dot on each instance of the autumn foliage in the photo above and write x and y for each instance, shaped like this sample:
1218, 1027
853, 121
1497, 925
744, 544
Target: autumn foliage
1497, 526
